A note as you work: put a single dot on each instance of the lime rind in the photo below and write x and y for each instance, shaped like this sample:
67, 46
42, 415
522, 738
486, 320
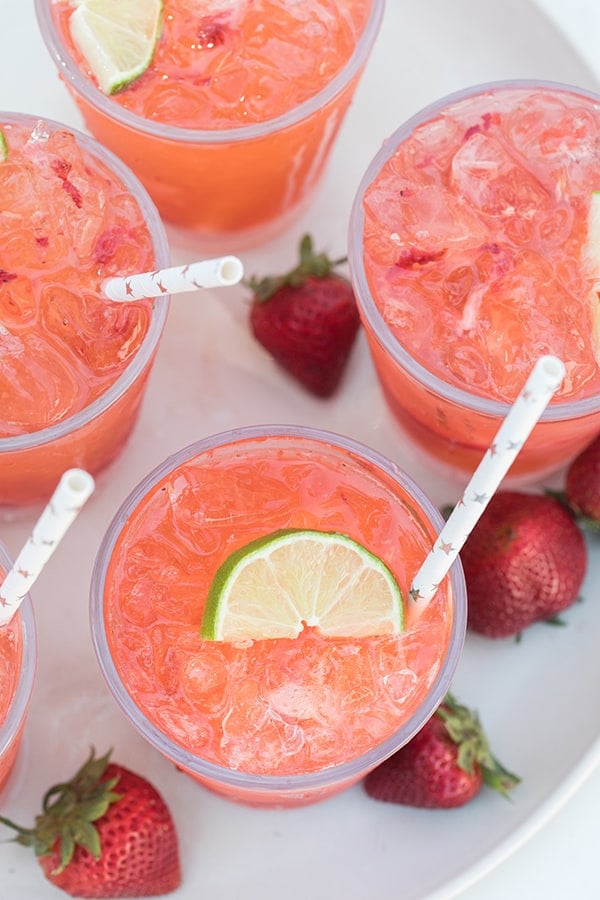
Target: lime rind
3, 146
117, 38
277, 584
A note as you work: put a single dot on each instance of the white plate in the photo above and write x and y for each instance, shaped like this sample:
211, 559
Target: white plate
210, 375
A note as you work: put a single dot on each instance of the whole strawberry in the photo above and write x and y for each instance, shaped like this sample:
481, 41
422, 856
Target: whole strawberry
307, 320
524, 562
443, 766
582, 489
105, 833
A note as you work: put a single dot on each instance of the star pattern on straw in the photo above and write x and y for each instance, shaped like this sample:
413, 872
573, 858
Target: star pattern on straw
513, 445
128, 289
493, 448
161, 287
197, 284
446, 547
11, 604
480, 498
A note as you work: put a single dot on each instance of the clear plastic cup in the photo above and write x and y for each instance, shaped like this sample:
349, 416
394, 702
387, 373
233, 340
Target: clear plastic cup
15, 704
31, 464
454, 425
169, 672
235, 186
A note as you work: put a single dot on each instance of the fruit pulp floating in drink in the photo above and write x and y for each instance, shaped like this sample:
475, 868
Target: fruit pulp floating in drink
18, 656
73, 366
277, 721
231, 124
475, 249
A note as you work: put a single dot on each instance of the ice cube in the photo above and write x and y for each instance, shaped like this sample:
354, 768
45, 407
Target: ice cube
495, 183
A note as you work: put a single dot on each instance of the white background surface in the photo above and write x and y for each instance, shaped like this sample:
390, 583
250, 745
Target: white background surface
544, 719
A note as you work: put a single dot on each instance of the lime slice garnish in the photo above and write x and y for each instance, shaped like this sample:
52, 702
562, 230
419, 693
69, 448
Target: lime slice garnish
275, 585
117, 38
591, 252
3, 147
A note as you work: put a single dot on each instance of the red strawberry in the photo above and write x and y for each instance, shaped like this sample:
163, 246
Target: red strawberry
582, 490
307, 320
524, 562
443, 766
93, 842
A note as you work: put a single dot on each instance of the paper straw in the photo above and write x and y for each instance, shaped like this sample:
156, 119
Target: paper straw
543, 381
207, 273
72, 491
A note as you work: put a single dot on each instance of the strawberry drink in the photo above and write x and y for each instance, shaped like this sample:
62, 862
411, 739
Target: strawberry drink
18, 655
74, 365
230, 117
274, 721
475, 249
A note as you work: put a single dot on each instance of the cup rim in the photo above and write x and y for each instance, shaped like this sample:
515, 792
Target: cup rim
244, 781
83, 87
20, 701
569, 409
160, 307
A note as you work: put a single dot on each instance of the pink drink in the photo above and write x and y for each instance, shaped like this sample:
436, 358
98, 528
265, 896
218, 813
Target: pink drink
231, 125
18, 655
470, 256
269, 722
74, 366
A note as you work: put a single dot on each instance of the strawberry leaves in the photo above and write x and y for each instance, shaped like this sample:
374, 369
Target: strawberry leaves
317, 265
69, 811
465, 730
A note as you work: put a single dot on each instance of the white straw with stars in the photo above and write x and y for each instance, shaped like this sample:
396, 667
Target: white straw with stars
223, 271
72, 491
543, 381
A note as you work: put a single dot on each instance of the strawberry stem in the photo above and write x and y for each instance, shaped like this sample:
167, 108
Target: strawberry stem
22, 832
311, 265
465, 730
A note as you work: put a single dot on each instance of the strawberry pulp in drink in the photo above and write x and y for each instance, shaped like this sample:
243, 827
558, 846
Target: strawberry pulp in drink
474, 253
270, 721
231, 124
73, 365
